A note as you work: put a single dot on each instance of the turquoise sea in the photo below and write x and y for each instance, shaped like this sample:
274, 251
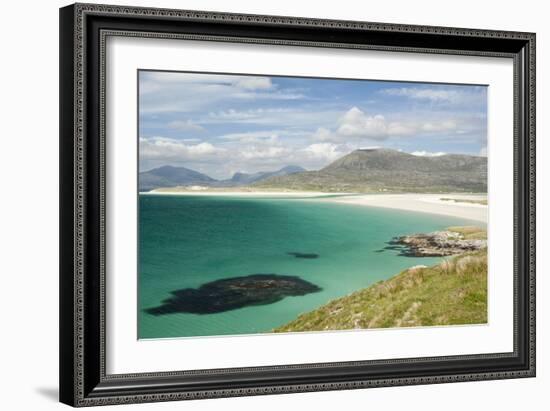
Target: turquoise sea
187, 241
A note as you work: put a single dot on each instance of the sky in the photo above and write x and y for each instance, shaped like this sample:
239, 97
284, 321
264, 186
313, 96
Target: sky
219, 124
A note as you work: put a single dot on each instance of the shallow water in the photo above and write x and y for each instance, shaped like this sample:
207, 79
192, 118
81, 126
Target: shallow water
188, 241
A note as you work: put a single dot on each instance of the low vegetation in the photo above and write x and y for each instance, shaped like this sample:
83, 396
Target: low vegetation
450, 293
466, 200
470, 232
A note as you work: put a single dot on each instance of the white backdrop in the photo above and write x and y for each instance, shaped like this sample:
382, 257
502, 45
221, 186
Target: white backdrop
29, 223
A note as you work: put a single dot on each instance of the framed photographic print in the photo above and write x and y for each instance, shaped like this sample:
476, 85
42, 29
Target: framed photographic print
261, 204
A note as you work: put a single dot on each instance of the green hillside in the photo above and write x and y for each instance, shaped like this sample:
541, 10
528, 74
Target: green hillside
453, 292
385, 170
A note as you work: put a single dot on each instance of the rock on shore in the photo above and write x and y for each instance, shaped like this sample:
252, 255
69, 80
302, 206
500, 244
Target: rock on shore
435, 244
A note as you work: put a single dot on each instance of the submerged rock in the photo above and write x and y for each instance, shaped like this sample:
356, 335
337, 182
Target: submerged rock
232, 293
436, 244
303, 255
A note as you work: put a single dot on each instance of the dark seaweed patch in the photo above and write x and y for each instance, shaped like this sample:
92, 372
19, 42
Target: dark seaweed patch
303, 255
232, 293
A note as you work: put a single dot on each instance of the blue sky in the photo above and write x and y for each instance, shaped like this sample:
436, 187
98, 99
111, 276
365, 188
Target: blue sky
220, 124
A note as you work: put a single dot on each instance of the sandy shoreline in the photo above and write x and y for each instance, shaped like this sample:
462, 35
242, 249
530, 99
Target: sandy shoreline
422, 203
240, 193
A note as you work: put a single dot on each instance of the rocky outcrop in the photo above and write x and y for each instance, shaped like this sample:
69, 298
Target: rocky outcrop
435, 244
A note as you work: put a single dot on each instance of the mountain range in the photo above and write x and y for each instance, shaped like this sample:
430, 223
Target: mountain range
364, 170
170, 176
244, 178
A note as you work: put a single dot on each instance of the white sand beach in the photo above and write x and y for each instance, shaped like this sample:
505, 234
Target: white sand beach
424, 203
442, 204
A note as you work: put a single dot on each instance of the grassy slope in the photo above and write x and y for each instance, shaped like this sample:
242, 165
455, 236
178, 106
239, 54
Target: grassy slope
359, 183
386, 170
453, 292
470, 232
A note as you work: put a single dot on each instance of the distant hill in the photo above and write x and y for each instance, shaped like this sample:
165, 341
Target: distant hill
245, 179
379, 170
170, 176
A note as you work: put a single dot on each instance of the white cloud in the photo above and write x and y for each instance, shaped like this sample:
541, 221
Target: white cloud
323, 134
456, 95
254, 83
275, 117
445, 125
232, 115
433, 94
203, 148
263, 152
162, 92
322, 151
185, 125
356, 124
243, 115
152, 81
253, 137
428, 153
483, 152
167, 149
401, 129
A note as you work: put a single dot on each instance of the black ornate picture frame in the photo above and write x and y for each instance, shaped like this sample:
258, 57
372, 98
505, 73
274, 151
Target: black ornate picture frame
83, 32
